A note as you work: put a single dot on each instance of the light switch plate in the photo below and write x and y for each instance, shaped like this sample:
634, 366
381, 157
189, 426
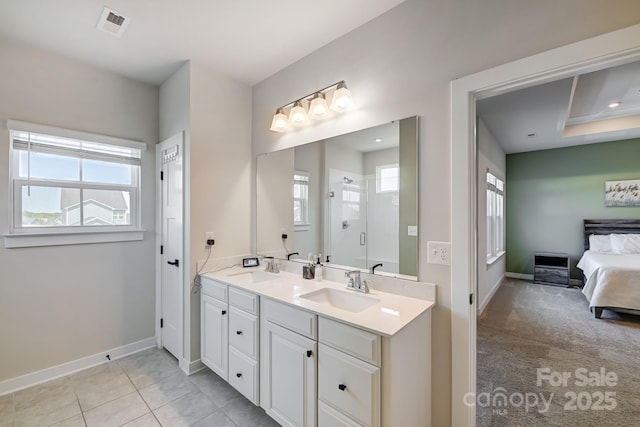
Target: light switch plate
412, 230
439, 253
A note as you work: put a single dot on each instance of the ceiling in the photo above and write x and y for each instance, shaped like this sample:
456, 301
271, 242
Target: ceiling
248, 40
567, 112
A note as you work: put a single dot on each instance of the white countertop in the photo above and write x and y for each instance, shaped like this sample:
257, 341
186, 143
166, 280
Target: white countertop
387, 317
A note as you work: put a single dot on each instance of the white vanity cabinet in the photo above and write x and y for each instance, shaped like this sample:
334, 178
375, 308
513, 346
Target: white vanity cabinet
214, 315
288, 355
244, 343
230, 335
348, 375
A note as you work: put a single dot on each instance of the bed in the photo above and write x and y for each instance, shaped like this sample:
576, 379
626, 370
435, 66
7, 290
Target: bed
611, 265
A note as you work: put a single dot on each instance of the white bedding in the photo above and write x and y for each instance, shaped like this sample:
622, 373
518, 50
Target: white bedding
613, 280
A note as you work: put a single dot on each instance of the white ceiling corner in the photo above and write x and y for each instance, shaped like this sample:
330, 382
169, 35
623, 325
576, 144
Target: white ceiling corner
567, 112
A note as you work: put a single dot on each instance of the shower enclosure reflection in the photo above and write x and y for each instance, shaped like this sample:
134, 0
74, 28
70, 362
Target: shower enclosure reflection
351, 198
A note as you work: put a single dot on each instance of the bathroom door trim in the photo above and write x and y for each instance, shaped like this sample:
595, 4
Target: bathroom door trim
604, 51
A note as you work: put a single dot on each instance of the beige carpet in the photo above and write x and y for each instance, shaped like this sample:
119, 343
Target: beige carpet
528, 327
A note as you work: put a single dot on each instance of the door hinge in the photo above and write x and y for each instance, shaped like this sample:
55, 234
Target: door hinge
471, 299
161, 323
161, 249
161, 175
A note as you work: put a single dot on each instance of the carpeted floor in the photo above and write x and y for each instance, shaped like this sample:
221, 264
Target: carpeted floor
528, 327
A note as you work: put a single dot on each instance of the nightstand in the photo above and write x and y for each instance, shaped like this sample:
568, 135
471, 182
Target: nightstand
550, 268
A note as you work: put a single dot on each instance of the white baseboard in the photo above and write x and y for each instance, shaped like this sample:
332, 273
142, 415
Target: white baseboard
191, 368
519, 276
483, 305
34, 378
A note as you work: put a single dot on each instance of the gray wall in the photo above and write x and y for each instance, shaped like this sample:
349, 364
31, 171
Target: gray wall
62, 303
550, 192
402, 64
215, 112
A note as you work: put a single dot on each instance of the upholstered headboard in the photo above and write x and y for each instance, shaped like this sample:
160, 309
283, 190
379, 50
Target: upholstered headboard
609, 226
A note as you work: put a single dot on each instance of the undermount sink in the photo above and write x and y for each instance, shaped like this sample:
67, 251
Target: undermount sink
255, 276
344, 300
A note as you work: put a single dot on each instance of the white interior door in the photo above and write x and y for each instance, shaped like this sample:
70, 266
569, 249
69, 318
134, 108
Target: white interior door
172, 241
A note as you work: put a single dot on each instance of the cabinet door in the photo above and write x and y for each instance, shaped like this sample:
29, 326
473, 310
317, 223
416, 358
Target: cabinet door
214, 332
288, 366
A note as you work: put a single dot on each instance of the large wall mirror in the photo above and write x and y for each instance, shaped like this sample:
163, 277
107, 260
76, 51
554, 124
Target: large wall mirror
351, 199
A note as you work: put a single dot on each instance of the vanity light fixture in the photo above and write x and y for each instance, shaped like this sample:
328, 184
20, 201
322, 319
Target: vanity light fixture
615, 104
313, 106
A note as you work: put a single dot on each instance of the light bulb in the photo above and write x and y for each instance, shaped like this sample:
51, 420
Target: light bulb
280, 122
318, 109
342, 100
298, 115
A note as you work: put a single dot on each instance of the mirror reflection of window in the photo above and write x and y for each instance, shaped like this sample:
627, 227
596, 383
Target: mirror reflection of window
300, 198
387, 178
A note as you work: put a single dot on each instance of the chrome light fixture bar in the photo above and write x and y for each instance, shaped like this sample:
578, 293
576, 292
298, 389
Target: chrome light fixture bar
313, 106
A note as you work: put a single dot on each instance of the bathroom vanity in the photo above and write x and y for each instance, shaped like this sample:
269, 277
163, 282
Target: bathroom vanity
312, 353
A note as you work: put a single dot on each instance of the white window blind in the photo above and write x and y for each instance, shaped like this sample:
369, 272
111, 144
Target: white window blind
73, 182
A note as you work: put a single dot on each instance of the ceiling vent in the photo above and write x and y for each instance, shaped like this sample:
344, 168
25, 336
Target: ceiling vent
112, 23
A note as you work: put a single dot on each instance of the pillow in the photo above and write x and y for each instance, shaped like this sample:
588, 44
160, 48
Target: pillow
625, 243
599, 243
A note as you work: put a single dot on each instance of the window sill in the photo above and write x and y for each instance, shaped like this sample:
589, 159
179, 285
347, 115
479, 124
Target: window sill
29, 240
301, 227
493, 259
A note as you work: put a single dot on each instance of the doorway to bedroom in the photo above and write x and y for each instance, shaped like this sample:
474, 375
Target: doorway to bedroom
540, 173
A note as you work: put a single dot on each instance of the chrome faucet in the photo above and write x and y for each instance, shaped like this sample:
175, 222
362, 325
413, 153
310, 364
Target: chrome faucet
270, 265
355, 284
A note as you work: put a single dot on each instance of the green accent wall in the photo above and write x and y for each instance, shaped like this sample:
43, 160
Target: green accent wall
550, 192
408, 209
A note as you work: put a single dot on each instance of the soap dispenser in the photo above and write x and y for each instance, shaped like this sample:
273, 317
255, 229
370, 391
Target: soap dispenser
319, 270
308, 270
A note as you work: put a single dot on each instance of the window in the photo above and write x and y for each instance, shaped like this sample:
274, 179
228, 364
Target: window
300, 198
387, 178
68, 182
495, 216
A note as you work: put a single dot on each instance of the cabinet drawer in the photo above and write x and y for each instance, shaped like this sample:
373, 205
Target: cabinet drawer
244, 300
361, 344
243, 332
213, 288
349, 385
294, 319
243, 374
329, 417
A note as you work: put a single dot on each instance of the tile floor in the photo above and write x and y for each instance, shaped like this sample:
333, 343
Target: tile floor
142, 390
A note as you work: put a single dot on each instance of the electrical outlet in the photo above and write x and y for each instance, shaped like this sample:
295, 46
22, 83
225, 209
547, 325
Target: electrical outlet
283, 233
439, 253
208, 237
412, 230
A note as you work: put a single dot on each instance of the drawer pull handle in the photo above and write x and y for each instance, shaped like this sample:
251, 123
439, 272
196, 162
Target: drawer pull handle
309, 353
238, 332
238, 375
342, 387
224, 312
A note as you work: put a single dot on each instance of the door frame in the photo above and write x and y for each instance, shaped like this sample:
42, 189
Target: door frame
604, 51
159, 147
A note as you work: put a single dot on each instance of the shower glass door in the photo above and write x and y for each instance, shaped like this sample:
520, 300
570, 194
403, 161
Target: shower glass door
348, 219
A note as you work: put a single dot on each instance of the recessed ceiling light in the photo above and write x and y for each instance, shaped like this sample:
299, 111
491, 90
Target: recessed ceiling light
378, 139
615, 104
